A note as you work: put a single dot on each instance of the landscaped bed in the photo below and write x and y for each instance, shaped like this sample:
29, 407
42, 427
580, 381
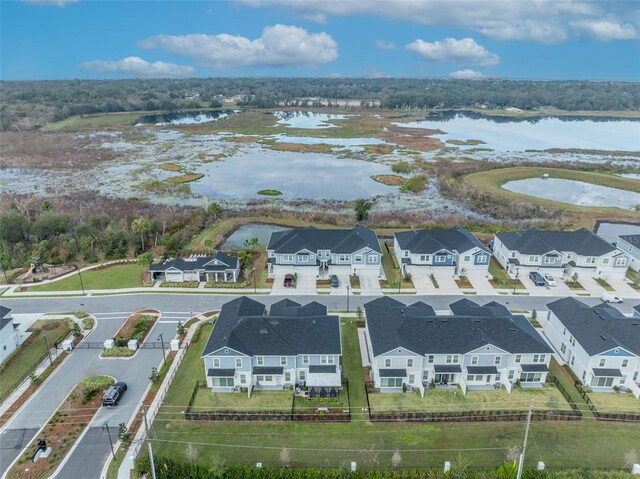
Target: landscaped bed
63, 429
451, 400
137, 327
464, 283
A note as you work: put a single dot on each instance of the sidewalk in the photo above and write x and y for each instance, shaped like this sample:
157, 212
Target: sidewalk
12, 293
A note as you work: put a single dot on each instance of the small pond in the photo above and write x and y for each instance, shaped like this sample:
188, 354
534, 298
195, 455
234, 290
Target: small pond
507, 134
633, 176
235, 241
309, 176
183, 118
574, 192
307, 119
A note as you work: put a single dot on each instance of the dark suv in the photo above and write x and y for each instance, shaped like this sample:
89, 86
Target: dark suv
537, 279
112, 396
335, 282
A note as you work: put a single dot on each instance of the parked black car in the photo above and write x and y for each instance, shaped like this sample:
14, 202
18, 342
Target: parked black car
537, 279
335, 282
112, 396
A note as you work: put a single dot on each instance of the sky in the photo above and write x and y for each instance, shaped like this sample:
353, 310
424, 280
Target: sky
518, 39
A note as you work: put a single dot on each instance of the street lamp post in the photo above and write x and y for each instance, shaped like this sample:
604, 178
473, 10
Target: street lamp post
515, 283
347, 298
164, 355
46, 345
255, 288
81, 282
106, 426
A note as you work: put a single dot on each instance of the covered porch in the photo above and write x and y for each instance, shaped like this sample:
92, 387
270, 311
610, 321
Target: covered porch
604, 379
268, 378
447, 375
533, 375
391, 380
482, 378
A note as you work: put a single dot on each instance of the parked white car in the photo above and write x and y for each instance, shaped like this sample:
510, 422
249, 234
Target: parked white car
610, 298
549, 279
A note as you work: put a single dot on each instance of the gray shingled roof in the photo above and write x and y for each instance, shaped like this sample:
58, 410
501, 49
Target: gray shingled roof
337, 240
599, 328
609, 373
391, 325
432, 241
5, 317
534, 241
633, 240
198, 263
243, 327
466, 307
290, 308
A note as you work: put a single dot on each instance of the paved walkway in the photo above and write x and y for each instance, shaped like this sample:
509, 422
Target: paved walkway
364, 351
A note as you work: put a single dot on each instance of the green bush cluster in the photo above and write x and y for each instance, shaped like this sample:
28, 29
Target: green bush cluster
141, 326
117, 352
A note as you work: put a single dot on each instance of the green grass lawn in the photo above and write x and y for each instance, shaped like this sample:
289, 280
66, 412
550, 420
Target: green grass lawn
352, 365
604, 284
615, 402
634, 277
504, 281
391, 269
310, 405
546, 398
205, 400
32, 352
113, 277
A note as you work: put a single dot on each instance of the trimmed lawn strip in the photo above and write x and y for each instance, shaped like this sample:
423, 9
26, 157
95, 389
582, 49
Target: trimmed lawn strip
446, 400
112, 277
391, 269
634, 277
500, 277
604, 284
63, 428
31, 353
205, 401
352, 366
615, 402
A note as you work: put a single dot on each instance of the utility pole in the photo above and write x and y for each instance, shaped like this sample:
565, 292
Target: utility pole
524, 445
106, 426
164, 355
81, 282
46, 344
347, 298
146, 427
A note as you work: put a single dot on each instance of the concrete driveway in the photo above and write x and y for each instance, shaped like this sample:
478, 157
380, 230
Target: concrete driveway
344, 282
623, 288
369, 283
480, 282
305, 283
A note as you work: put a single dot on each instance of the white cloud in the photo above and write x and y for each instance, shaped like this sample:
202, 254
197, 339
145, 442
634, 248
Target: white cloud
605, 30
466, 74
545, 21
50, 3
463, 52
278, 46
139, 67
372, 72
384, 45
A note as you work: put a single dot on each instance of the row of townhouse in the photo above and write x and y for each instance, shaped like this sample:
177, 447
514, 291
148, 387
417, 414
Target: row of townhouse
623, 235
478, 347
456, 251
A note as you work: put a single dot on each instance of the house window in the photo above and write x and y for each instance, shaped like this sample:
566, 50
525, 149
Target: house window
440, 258
425, 375
287, 258
602, 382
573, 360
390, 382
468, 258
303, 375
260, 360
549, 260
238, 362
406, 253
452, 359
572, 340
424, 257
513, 254
511, 374
563, 348
564, 331
243, 379
621, 261
283, 360
303, 258
533, 259
474, 359
430, 359
602, 363
323, 252
222, 382
530, 377
216, 362
590, 260
584, 375
606, 260
387, 363
497, 360
305, 359
539, 358
287, 377
326, 359
410, 362
625, 363
373, 258
518, 358
474, 377
344, 258
635, 376
226, 351
357, 258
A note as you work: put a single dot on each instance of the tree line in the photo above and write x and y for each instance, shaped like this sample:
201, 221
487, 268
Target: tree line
32, 104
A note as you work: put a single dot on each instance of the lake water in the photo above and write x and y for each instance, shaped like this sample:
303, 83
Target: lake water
235, 241
634, 176
184, 118
574, 192
343, 142
506, 134
307, 119
305, 176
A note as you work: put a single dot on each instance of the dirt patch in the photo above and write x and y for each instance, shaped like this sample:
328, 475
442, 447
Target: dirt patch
390, 180
379, 149
188, 178
301, 148
242, 139
171, 167
413, 138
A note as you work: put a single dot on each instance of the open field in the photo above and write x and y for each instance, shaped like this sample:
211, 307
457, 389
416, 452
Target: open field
547, 398
490, 182
112, 277
32, 352
615, 402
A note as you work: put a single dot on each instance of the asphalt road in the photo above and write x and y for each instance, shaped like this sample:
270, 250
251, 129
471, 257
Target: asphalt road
93, 450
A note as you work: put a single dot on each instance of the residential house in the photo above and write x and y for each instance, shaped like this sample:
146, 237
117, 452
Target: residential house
599, 343
294, 345
559, 253
636, 311
218, 268
454, 251
322, 252
623, 235
9, 336
478, 347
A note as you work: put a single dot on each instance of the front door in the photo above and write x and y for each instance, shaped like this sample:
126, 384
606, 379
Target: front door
488, 378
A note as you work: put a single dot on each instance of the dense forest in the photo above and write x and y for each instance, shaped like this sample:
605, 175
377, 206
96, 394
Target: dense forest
29, 105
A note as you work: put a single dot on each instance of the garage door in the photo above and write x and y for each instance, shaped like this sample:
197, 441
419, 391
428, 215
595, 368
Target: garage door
174, 276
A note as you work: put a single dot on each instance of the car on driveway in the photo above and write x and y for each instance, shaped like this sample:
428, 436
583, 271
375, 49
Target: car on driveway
112, 396
549, 279
537, 278
610, 298
288, 280
335, 281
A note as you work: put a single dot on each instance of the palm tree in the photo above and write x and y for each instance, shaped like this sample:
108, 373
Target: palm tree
140, 226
